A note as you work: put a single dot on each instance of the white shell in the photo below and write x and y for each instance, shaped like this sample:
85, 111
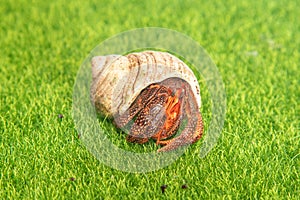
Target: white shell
118, 80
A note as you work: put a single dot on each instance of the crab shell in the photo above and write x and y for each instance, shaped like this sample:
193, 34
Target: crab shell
118, 80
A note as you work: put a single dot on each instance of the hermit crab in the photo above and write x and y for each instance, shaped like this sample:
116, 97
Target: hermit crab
153, 92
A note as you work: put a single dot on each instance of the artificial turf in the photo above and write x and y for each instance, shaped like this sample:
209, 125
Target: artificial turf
255, 45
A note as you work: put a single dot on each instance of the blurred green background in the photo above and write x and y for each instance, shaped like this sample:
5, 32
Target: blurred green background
255, 45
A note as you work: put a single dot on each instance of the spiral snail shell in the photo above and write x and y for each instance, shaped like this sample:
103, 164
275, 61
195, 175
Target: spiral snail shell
123, 86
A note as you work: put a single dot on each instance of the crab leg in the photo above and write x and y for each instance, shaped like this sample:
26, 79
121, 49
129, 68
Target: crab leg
163, 134
193, 130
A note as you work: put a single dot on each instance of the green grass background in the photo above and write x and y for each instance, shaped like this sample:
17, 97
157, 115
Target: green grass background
255, 45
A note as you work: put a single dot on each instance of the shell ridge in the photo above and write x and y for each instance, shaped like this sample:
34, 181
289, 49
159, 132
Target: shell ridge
153, 66
137, 65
